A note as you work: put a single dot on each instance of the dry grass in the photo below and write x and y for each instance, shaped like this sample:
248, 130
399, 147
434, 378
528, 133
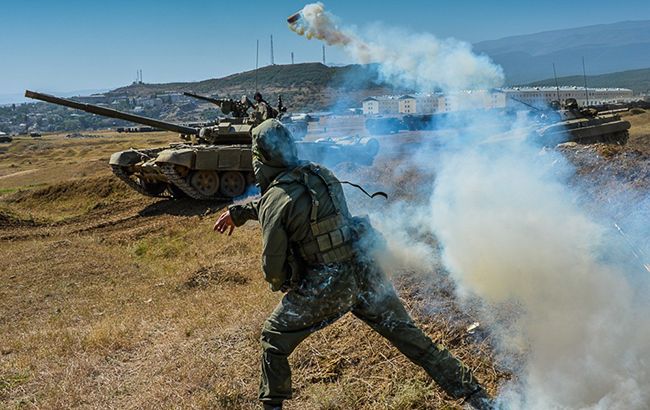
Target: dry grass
639, 132
113, 300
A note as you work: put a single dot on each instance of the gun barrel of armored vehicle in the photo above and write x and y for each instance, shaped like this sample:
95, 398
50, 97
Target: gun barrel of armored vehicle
227, 106
204, 98
111, 113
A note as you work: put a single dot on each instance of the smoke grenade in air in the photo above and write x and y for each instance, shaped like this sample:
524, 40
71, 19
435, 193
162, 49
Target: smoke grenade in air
405, 59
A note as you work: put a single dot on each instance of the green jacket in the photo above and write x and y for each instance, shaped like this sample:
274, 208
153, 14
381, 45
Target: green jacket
284, 209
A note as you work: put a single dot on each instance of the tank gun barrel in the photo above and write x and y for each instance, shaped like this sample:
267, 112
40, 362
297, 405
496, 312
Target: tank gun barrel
227, 106
204, 98
111, 113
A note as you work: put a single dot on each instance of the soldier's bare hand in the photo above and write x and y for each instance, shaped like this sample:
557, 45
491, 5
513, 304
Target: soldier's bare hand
224, 223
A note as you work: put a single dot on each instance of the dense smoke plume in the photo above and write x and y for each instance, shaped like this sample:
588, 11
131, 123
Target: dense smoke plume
514, 232
409, 60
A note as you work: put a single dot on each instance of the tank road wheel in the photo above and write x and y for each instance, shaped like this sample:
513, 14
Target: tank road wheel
206, 182
138, 184
233, 184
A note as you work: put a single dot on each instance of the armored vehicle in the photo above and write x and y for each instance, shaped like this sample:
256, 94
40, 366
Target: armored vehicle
582, 125
5, 138
212, 162
298, 128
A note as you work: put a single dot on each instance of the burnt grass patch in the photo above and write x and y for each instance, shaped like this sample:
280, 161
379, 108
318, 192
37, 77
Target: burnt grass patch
207, 276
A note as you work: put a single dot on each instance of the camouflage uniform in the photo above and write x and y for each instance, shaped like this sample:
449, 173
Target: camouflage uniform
303, 204
262, 109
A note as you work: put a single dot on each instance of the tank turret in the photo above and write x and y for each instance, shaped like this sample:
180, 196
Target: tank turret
239, 109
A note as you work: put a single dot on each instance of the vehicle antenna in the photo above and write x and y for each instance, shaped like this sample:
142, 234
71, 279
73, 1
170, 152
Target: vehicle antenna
584, 75
557, 87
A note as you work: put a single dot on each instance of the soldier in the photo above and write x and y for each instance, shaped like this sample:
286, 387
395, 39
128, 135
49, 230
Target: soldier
321, 257
263, 110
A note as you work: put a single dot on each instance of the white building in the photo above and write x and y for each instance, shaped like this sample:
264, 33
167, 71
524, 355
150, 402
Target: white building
432, 103
404, 104
385, 104
407, 104
542, 96
426, 103
471, 100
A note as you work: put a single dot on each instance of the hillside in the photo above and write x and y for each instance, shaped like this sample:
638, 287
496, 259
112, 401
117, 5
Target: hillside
115, 300
636, 80
605, 47
306, 86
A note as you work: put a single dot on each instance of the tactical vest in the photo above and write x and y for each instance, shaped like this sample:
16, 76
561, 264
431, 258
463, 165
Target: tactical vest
330, 238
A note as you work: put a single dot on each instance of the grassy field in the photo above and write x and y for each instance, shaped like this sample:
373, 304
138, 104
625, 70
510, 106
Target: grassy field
114, 300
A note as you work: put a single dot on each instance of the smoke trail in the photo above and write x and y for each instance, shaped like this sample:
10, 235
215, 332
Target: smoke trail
415, 61
514, 232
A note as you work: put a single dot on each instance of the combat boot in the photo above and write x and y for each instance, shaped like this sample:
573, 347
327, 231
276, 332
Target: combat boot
479, 400
268, 406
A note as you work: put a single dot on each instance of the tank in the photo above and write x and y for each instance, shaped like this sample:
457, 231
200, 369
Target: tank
583, 125
385, 125
212, 162
5, 138
297, 127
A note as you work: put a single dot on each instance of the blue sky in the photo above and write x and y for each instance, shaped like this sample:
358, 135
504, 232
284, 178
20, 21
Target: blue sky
71, 45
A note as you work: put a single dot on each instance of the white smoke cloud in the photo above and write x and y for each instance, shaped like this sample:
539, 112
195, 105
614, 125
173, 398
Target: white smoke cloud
514, 234
419, 61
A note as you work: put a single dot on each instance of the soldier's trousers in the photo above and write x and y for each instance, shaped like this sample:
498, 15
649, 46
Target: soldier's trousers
325, 295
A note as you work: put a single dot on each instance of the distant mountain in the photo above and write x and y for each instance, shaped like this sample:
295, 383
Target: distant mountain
605, 47
636, 80
306, 86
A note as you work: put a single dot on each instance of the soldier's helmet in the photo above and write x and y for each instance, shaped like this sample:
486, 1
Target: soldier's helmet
273, 151
258, 96
273, 144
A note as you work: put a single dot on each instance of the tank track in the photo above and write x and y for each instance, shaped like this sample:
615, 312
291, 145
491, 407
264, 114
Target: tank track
184, 186
119, 172
619, 138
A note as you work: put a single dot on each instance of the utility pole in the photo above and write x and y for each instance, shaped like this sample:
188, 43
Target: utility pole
292, 57
272, 59
324, 62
